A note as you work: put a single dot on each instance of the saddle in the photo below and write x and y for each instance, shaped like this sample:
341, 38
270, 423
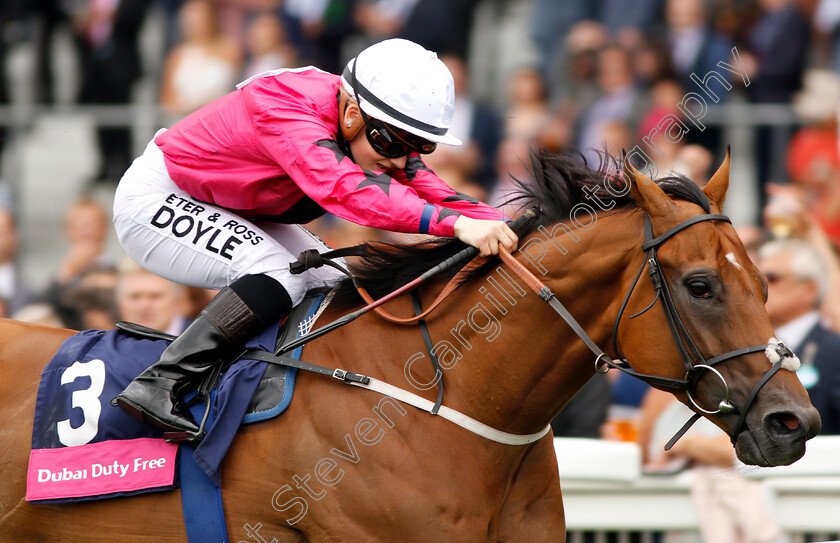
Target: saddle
274, 392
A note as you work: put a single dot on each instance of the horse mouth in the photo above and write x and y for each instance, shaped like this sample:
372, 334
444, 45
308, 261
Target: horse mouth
779, 440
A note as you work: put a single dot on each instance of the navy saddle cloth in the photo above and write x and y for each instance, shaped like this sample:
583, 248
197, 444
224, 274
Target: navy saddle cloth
248, 391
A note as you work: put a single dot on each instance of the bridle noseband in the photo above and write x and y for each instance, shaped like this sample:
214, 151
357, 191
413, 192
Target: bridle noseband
696, 363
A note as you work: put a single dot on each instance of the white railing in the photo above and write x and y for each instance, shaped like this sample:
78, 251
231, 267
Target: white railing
604, 491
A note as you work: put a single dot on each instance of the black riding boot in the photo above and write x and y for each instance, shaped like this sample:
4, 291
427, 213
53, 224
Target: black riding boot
236, 313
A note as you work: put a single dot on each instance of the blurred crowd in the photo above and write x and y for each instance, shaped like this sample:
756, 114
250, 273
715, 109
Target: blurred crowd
567, 75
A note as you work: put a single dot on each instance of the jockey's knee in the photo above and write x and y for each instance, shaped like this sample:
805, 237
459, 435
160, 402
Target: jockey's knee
266, 297
294, 285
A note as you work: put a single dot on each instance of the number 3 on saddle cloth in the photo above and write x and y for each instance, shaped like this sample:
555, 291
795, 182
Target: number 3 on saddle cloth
83, 448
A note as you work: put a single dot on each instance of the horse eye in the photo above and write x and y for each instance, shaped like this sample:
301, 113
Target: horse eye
699, 289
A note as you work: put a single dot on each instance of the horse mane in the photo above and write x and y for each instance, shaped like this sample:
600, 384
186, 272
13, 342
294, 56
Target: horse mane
560, 181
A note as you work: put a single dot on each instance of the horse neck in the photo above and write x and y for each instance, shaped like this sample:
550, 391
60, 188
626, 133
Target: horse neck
521, 363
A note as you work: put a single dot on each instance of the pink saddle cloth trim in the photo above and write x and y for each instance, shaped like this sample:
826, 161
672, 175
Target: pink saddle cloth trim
100, 468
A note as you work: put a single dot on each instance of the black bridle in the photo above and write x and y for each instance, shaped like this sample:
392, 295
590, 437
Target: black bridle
696, 364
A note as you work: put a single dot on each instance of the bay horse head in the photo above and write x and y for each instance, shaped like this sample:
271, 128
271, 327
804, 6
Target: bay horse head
707, 332
657, 280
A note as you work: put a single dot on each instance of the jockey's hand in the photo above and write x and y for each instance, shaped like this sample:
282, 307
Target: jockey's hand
485, 235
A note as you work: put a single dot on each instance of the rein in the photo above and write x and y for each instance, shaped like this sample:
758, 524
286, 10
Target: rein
310, 259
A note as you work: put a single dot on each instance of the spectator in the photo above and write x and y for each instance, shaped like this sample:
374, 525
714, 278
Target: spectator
813, 160
512, 166
96, 307
38, 313
319, 34
204, 66
171, 28
337, 232
658, 136
775, 65
150, 300
107, 33
558, 134
652, 61
827, 21
624, 411
551, 26
694, 47
381, 19
797, 279
618, 100
88, 302
477, 126
778, 55
12, 288
636, 15
440, 25
573, 83
86, 228
499, 46
789, 214
527, 110
449, 166
695, 162
12, 22
616, 137
51, 14
267, 46
234, 16
197, 299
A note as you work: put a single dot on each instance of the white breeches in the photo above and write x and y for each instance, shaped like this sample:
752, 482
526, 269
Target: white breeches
194, 243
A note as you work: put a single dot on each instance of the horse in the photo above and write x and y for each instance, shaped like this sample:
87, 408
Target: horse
343, 464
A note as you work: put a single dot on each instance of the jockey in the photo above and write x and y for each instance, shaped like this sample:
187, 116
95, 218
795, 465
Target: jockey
216, 201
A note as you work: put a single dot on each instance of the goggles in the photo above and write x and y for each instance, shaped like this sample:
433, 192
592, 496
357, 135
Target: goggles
392, 142
389, 141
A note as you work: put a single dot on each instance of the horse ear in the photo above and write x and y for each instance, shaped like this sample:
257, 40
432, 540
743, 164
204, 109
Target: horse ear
645, 192
715, 189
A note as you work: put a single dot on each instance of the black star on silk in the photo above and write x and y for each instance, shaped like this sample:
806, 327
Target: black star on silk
460, 197
381, 180
413, 165
332, 145
446, 212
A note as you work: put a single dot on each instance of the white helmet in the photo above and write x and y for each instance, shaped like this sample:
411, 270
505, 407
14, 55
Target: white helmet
402, 84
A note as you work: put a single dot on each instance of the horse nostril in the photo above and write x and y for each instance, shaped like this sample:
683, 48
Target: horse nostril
783, 424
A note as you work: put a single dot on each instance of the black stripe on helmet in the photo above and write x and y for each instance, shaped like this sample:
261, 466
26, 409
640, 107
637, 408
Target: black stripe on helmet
361, 90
